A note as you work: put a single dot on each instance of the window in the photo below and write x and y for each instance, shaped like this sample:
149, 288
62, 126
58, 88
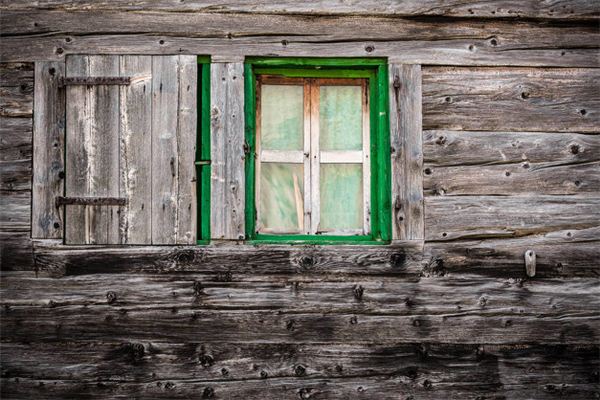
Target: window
318, 142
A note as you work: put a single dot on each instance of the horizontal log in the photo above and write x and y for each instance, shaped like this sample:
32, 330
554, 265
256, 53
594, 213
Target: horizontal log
463, 217
462, 148
483, 368
430, 297
16, 251
16, 101
454, 51
16, 74
558, 254
188, 323
398, 259
511, 99
15, 139
15, 211
570, 9
522, 178
16, 175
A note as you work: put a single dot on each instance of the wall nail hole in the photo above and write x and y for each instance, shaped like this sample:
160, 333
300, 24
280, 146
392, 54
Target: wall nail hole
369, 49
59, 50
577, 183
444, 234
507, 173
574, 148
471, 47
284, 42
56, 225
427, 171
582, 112
525, 95
494, 42
161, 42
52, 71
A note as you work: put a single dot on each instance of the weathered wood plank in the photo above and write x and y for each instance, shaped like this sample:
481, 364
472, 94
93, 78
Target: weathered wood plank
16, 74
16, 251
487, 367
187, 126
15, 211
407, 152
92, 151
135, 184
462, 148
165, 95
188, 323
16, 138
484, 47
399, 259
511, 99
463, 217
16, 101
15, 176
48, 151
514, 179
570, 9
227, 151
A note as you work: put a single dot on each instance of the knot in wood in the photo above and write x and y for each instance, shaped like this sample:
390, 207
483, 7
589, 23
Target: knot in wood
111, 297
290, 325
264, 374
208, 393
198, 288
353, 320
306, 262
299, 370
206, 360
183, 256
358, 292
305, 393
398, 260
427, 384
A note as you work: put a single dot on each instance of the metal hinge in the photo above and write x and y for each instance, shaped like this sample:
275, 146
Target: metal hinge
94, 80
92, 201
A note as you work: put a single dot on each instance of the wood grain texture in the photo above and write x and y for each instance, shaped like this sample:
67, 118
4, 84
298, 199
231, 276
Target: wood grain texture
47, 220
511, 99
227, 151
135, 142
92, 150
463, 217
446, 41
407, 152
570, 9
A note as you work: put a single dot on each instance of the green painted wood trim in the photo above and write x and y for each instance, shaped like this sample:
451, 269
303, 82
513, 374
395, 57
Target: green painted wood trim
373, 69
203, 151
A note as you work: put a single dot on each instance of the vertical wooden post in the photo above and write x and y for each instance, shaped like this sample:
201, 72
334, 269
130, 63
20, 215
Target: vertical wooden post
227, 151
48, 151
407, 152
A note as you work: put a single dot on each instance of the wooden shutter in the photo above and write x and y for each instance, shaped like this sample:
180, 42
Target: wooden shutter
135, 142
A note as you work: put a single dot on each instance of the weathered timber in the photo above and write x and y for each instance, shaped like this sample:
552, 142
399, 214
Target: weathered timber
558, 254
16, 250
511, 99
15, 176
489, 367
398, 259
94, 80
91, 201
15, 211
463, 217
452, 42
466, 148
189, 322
15, 138
16, 101
227, 196
570, 9
407, 152
48, 151
16, 74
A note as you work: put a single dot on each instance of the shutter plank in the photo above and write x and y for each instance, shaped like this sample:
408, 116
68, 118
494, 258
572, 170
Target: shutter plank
135, 148
165, 97
407, 155
186, 137
227, 151
92, 151
48, 151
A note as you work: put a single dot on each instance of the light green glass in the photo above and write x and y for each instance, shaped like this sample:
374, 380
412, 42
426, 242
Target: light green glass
340, 118
281, 204
341, 191
282, 117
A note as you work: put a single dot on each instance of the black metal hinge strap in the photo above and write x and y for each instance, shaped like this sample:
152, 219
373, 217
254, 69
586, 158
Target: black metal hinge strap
94, 80
92, 201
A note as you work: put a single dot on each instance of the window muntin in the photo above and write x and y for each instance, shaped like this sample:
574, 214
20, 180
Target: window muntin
312, 170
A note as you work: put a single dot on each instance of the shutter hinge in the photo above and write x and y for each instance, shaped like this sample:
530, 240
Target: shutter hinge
94, 80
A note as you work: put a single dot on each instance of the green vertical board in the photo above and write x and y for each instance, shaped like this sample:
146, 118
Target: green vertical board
340, 118
281, 117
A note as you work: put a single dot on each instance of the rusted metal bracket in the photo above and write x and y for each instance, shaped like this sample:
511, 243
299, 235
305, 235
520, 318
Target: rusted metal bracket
94, 80
530, 263
91, 201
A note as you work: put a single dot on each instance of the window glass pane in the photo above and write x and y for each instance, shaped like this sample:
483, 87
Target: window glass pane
281, 205
341, 192
340, 118
282, 117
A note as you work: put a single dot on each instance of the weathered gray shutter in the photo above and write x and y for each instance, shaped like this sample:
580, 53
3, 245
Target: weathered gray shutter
130, 149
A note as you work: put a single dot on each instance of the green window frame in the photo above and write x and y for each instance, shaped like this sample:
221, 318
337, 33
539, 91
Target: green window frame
375, 70
203, 151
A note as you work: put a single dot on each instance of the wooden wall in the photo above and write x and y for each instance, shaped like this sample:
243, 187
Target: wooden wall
511, 148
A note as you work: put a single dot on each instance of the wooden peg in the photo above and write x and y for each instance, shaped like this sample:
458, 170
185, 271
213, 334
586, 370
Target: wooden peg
530, 263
